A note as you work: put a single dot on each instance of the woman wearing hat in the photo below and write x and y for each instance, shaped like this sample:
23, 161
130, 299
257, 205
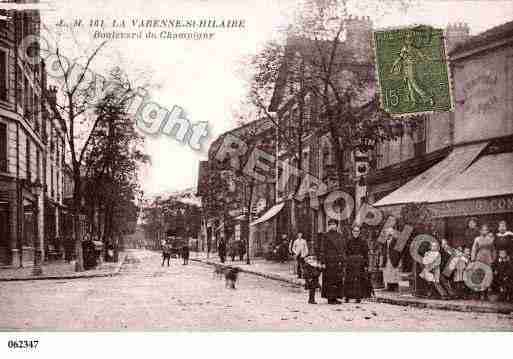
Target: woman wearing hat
356, 284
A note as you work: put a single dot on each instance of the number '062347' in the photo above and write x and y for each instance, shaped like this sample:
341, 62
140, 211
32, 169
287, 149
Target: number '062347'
22, 344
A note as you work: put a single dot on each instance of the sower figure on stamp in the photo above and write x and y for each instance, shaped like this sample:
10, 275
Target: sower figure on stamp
406, 62
332, 256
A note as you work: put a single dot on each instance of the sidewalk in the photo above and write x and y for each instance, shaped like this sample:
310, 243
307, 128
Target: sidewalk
284, 272
62, 270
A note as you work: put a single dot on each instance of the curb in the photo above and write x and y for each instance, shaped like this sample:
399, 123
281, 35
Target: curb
79, 276
441, 306
276, 277
378, 299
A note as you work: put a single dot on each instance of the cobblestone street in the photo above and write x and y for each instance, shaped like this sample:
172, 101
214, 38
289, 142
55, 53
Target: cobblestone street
146, 296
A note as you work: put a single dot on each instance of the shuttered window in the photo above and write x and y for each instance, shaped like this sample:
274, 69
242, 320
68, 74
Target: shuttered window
3, 75
3, 147
27, 159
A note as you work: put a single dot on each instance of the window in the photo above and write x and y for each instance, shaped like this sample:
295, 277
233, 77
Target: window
51, 179
19, 86
4, 72
27, 159
38, 164
26, 105
36, 112
3, 147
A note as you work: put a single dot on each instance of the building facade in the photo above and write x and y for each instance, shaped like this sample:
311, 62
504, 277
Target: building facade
31, 147
473, 175
227, 195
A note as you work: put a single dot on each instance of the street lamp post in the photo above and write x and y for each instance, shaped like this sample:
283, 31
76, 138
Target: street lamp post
37, 269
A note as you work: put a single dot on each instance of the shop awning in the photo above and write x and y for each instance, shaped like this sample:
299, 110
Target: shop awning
489, 176
271, 212
432, 185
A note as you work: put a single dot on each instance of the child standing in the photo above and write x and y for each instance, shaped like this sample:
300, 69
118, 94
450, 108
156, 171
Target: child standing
312, 269
503, 276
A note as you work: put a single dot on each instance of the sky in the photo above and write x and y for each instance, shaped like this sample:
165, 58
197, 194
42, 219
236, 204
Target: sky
207, 77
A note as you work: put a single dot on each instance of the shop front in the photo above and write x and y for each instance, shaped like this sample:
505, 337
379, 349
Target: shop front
472, 182
4, 233
262, 231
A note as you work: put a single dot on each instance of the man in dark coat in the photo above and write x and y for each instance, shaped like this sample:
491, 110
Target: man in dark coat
221, 249
332, 255
185, 252
356, 281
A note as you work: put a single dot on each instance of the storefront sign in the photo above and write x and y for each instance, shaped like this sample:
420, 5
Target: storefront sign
473, 207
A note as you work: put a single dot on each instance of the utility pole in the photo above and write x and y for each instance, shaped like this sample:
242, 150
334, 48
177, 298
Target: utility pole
361, 162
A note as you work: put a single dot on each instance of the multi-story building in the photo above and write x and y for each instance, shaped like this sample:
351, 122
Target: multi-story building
225, 193
31, 146
392, 163
465, 165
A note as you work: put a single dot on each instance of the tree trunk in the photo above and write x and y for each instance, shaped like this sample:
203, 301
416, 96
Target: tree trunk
249, 204
79, 263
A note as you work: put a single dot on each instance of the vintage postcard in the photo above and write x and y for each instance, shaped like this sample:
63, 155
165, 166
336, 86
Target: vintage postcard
255, 165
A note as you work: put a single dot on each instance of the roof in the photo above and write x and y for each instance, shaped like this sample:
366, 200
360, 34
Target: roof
497, 33
260, 125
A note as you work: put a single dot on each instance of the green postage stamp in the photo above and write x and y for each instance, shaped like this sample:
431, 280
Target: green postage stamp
413, 72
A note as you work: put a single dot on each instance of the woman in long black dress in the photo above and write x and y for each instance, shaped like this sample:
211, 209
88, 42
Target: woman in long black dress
356, 281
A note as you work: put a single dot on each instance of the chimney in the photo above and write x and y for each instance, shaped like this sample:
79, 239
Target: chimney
456, 34
359, 36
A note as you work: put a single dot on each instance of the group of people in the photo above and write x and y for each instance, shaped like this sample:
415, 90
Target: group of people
343, 261
233, 249
445, 265
167, 251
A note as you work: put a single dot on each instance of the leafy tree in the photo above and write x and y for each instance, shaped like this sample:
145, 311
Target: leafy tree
111, 162
332, 84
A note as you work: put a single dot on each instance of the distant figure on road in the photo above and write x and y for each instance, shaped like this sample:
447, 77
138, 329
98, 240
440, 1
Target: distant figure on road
242, 250
166, 253
185, 253
221, 249
69, 247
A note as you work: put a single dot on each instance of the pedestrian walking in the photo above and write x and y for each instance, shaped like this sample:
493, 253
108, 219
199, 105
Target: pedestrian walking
185, 253
221, 249
69, 247
332, 257
166, 253
356, 279
300, 251
242, 250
